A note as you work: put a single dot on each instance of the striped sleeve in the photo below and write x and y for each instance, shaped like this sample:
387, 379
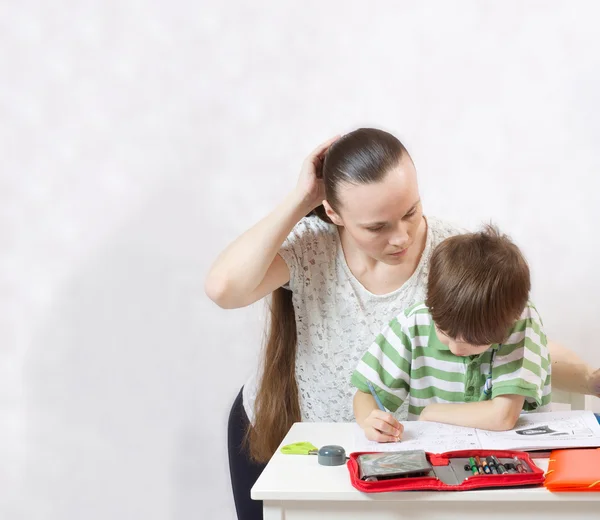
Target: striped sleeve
387, 365
522, 364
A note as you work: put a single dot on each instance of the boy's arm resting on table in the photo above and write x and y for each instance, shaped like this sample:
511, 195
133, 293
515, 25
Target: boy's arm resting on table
519, 377
378, 425
498, 414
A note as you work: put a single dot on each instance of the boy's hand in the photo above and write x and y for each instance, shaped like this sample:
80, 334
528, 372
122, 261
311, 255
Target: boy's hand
382, 426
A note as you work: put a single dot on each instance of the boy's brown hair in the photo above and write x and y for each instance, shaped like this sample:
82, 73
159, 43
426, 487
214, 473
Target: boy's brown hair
478, 286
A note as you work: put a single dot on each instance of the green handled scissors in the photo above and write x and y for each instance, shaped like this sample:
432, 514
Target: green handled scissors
300, 448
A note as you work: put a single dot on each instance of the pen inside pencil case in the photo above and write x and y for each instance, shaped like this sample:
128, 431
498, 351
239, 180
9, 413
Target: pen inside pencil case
460, 469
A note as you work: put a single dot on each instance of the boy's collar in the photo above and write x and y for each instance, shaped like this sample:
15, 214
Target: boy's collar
434, 341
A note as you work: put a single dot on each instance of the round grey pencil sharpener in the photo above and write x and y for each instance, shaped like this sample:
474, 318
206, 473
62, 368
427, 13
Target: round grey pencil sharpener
332, 455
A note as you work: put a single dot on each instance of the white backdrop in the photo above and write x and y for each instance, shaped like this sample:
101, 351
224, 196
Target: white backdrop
138, 138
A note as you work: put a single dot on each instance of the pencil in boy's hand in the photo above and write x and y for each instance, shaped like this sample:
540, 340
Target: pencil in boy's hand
375, 396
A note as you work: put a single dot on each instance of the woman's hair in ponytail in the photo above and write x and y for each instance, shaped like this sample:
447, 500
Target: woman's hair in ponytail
360, 157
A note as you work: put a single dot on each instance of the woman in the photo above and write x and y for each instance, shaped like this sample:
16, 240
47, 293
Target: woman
335, 279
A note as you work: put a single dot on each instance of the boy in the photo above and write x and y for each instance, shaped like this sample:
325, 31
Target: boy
473, 354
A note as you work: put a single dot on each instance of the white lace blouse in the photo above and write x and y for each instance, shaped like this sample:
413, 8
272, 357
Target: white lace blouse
337, 319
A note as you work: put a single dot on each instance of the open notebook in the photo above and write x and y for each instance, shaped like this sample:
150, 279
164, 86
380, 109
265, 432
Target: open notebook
533, 431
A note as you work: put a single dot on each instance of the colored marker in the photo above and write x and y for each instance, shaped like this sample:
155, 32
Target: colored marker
473, 466
519, 466
492, 465
479, 466
501, 468
375, 396
486, 467
526, 466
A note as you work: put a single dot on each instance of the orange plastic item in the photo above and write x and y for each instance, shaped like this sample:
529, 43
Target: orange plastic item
573, 470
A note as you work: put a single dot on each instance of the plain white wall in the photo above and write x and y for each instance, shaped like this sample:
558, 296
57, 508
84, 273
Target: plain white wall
138, 138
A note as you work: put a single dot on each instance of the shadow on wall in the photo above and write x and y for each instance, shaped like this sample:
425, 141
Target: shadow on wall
126, 402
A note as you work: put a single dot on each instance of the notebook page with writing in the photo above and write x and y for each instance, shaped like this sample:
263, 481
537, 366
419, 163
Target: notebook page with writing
533, 431
544, 431
428, 436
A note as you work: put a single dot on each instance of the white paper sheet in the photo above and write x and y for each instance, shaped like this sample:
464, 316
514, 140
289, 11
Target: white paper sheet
535, 431
570, 429
428, 436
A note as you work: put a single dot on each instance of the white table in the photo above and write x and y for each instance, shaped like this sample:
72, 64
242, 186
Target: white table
296, 487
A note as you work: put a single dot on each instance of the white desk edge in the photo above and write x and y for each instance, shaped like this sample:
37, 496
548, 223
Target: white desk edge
301, 478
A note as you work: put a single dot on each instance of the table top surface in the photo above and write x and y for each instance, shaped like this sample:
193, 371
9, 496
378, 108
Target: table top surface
301, 477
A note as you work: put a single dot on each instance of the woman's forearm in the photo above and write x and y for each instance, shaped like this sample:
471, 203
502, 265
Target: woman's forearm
242, 266
570, 373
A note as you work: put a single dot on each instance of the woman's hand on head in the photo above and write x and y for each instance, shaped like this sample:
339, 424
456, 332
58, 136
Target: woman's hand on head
382, 426
310, 185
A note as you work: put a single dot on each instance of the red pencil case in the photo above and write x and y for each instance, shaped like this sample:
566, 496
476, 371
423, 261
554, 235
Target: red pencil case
450, 473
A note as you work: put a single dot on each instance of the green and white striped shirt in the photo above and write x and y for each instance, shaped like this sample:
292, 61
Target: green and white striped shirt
408, 359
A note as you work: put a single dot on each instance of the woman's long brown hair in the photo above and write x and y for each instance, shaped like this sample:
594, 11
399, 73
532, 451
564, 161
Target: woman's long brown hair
360, 157
277, 406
